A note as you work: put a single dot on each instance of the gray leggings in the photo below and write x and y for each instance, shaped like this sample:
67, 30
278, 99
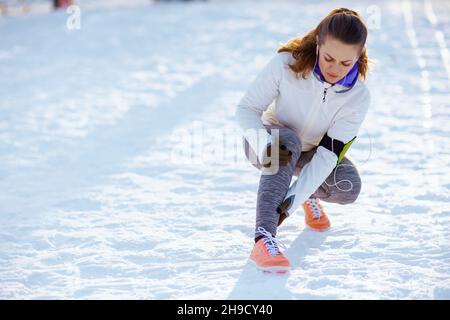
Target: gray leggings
341, 186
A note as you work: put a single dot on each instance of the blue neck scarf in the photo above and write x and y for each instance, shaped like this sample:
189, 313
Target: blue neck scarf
348, 81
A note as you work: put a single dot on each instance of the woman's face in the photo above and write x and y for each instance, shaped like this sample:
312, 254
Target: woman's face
336, 59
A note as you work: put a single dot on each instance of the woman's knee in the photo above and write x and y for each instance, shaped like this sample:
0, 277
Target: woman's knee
350, 196
347, 182
290, 139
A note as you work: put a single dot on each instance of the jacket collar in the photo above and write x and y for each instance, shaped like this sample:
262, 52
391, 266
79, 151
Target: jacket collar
343, 85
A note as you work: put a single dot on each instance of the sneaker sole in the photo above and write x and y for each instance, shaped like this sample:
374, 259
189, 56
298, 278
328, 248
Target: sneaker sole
277, 270
318, 230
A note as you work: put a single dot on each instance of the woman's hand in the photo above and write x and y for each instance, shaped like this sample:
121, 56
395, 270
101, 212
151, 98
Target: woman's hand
284, 154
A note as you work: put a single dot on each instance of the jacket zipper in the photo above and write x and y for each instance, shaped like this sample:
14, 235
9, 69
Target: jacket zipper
324, 93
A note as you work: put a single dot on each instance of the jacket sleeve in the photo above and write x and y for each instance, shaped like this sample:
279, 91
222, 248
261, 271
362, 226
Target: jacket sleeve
344, 127
261, 93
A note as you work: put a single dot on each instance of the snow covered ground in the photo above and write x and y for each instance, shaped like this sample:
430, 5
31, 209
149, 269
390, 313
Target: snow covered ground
98, 195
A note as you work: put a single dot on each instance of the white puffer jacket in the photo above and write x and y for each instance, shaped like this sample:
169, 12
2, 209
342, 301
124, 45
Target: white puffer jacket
308, 106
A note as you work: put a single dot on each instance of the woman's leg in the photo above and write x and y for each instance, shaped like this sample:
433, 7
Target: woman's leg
273, 187
342, 186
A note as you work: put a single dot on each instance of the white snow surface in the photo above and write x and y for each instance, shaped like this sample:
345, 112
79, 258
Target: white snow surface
96, 204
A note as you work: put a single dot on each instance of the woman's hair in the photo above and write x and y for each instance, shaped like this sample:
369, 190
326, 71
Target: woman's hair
342, 24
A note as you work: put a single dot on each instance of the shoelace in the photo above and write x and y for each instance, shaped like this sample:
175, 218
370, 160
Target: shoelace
272, 244
314, 205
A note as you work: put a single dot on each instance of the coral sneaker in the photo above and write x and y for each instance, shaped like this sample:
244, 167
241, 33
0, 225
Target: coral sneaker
315, 217
266, 254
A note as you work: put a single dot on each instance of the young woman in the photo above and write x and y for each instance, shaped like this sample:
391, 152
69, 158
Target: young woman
309, 102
